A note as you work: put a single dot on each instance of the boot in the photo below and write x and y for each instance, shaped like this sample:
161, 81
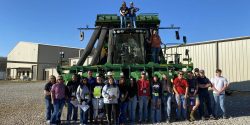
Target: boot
192, 116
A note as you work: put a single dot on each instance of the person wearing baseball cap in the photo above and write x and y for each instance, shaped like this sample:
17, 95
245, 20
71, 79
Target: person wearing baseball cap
144, 95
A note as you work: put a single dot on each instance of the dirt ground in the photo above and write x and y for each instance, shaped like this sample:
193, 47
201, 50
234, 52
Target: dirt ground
23, 104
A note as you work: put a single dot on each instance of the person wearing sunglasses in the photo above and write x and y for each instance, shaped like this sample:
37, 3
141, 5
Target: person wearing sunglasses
181, 93
204, 96
58, 96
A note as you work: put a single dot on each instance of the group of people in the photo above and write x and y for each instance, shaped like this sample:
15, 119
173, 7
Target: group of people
131, 12
117, 100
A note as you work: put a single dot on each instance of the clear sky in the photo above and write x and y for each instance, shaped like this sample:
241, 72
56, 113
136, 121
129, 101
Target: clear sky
56, 21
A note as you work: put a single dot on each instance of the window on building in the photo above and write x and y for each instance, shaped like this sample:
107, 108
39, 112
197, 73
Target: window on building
23, 73
28, 73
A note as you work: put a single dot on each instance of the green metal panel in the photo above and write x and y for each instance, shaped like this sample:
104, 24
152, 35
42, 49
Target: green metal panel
112, 20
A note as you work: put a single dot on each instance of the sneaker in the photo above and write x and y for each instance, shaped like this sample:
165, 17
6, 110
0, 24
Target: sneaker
139, 122
48, 122
203, 118
168, 121
212, 117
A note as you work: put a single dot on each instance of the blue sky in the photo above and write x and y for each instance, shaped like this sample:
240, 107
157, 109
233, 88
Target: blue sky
56, 21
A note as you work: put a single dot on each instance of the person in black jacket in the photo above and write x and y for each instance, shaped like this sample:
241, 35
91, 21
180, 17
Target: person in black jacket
72, 86
123, 100
132, 96
156, 100
167, 93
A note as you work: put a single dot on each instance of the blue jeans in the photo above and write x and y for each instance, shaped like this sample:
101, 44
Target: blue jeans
219, 103
155, 110
167, 105
143, 108
155, 54
133, 21
132, 108
83, 117
123, 112
71, 109
181, 102
49, 108
58, 107
123, 21
204, 98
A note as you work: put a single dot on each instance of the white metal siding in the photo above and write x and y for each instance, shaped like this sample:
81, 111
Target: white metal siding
203, 56
234, 57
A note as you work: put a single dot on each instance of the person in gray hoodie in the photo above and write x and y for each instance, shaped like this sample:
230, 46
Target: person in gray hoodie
110, 95
83, 97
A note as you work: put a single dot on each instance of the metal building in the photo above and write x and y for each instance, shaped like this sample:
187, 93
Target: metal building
231, 55
33, 60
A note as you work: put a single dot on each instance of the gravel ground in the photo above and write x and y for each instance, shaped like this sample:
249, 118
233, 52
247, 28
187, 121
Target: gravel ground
23, 104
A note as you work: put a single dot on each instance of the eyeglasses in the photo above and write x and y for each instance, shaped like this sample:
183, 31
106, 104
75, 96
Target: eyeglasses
180, 74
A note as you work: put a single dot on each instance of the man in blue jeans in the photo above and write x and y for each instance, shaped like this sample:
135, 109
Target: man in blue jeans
203, 84
155, 42
220, 84
132, 14
47, 93
181, 93
166, 97
58, 95
144, 96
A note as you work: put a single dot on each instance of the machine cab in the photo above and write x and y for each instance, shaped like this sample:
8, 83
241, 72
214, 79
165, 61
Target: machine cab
128, 46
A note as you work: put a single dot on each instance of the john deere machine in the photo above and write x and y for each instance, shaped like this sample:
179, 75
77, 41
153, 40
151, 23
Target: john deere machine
124, 50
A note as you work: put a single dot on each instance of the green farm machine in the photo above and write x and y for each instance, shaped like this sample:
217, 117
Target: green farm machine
124, 50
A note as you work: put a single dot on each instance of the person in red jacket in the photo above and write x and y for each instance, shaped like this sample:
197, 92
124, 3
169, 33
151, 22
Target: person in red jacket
181, 94
144, 95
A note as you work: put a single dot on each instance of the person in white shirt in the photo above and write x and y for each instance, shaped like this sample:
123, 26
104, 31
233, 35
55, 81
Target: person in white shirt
110, 93
220, 84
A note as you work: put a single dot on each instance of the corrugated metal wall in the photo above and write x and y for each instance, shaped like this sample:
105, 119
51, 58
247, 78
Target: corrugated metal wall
233, 57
